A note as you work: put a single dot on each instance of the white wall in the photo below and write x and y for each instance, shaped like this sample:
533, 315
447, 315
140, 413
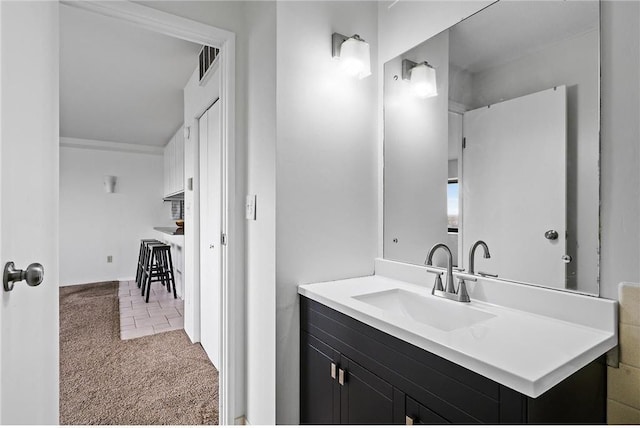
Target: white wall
620, 181
95, 224
326, 167
415, 157
408, 23
261, 233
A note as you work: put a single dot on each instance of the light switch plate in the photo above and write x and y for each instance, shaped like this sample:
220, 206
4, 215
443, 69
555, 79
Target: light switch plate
250, 207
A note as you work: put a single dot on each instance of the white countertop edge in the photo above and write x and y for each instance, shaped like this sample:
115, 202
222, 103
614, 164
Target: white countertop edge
552, 379
531, 388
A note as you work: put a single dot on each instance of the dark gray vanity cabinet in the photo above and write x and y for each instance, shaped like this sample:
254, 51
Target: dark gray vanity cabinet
351, 373
338, 390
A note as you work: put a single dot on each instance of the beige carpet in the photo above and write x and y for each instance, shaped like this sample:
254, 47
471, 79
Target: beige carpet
154, 380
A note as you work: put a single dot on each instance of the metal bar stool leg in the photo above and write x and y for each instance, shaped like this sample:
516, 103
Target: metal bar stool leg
138, 268
143, 246
146, 270
170, 270
153, 258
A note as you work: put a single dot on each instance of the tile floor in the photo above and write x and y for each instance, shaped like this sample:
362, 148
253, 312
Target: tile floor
138, 318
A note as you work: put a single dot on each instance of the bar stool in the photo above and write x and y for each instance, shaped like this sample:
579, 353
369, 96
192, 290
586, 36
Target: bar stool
158, 268
148, 264
141, 255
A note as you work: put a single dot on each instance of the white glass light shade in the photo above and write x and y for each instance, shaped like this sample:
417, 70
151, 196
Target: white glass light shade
355, 57
423, 81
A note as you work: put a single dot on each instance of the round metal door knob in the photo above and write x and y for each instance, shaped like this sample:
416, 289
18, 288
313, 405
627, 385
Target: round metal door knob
551, 235
33, 275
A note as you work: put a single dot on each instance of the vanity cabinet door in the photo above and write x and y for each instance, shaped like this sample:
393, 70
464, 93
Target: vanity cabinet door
319, 388
417, 414
365, 398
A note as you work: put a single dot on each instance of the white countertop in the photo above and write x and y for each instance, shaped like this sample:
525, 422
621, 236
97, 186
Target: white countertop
525, 351
169, 237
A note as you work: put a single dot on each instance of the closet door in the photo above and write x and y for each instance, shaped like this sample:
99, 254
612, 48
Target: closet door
514, 186
210, 231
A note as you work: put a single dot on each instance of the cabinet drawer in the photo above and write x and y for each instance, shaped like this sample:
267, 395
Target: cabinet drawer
417, 414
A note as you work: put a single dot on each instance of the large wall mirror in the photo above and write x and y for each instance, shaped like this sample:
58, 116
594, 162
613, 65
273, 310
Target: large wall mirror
491, 132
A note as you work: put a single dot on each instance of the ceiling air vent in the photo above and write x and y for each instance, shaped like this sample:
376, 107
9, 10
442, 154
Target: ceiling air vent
207, 57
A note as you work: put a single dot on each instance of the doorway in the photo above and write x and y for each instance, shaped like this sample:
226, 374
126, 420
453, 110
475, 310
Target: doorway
213, 327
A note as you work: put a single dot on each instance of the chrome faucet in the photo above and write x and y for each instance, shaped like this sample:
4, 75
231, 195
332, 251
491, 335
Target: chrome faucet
472, 252
449, 288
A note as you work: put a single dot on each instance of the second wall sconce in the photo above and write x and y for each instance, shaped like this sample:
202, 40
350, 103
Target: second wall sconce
421, 77
109, 183
353, 53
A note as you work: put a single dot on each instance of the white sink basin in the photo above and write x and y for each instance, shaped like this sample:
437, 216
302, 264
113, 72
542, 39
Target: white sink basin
435, 312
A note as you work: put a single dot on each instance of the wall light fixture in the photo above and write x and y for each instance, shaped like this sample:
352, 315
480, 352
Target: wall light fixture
109, 183
354, 54
421, 77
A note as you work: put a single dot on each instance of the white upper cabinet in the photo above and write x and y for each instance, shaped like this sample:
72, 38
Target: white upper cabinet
174, 164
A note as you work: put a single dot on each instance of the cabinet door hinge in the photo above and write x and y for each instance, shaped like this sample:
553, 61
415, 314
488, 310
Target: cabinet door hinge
223, 239
464, 143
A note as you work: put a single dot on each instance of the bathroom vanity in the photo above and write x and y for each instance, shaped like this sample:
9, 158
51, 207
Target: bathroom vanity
369, 355
502, 151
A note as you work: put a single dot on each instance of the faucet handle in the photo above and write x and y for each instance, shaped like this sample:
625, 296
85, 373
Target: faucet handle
463, 296
437, 286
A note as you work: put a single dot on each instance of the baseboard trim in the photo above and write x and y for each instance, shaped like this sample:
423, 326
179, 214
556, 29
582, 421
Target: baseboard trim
92, 284
99, 282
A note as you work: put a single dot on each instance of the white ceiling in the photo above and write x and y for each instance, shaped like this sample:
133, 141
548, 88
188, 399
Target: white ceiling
508, 30
118, 82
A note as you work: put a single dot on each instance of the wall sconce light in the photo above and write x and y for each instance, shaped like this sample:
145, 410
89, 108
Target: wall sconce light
109, 183
421, 77
354, 54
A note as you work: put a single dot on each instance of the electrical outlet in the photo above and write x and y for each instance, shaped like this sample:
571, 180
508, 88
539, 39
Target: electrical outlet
109, 259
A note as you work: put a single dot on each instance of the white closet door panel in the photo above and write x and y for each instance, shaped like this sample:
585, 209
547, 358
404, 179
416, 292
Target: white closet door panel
210, 232
514, 186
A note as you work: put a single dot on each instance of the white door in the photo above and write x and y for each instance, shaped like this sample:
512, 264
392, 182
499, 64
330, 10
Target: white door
29, 210
210, 231
514, 186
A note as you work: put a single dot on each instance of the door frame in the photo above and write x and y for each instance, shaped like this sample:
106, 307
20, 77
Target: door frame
197, 32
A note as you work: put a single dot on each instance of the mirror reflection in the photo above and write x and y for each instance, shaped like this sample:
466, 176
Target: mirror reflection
491, 132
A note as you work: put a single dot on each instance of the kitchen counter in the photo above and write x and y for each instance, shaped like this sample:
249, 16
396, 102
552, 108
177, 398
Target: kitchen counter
174, 231
522, 350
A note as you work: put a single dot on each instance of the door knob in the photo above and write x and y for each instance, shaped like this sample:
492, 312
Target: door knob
551, 235
33, 275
